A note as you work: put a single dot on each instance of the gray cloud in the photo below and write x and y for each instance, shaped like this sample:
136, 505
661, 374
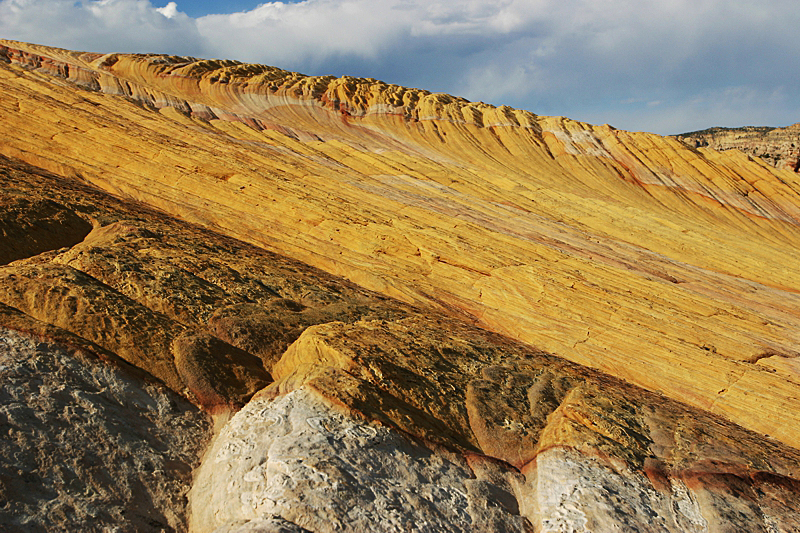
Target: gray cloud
667, 67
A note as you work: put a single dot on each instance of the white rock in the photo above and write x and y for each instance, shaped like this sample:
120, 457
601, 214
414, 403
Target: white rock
298, 458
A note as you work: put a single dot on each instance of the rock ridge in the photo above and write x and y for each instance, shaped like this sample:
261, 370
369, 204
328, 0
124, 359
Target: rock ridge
375, 414
149, 78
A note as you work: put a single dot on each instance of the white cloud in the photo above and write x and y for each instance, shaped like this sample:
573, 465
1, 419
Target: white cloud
580, 58
304, 33
170, 10
100, 25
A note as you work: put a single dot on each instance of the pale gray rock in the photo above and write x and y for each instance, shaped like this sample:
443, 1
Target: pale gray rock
568, 492
87, 447
297, 463
300, 459
572, 493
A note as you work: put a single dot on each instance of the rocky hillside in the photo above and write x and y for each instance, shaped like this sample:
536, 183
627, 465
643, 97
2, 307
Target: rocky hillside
777, 146
239, 299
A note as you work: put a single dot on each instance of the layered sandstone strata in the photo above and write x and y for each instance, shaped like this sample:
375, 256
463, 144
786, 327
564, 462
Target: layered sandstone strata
615, 275
153, 348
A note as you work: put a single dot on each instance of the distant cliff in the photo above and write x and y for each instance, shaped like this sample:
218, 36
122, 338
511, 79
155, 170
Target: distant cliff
779, 147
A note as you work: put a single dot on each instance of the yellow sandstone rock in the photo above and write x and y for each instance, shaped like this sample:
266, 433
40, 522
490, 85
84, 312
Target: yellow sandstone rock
672, 268
546, 292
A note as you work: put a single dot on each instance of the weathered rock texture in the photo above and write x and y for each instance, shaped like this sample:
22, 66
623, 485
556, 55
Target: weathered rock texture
539, 325
777, 146
86, 444
297, 458
543, 444
102, 344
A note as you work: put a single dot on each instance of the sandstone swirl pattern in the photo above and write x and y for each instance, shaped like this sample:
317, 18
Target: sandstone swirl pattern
537, 324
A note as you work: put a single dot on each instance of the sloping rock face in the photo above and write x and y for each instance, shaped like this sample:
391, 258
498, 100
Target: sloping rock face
778, 146
538, 324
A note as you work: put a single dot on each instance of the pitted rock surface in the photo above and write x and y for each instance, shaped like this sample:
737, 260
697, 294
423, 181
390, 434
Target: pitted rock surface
84, 445
299, 458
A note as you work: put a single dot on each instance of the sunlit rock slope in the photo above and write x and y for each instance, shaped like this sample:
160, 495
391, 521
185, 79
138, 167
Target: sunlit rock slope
536, 324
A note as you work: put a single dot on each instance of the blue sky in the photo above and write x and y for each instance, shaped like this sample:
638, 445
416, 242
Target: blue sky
667, 67
205, 7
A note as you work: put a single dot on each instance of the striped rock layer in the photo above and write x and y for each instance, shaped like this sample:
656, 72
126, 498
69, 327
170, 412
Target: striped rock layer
297, 303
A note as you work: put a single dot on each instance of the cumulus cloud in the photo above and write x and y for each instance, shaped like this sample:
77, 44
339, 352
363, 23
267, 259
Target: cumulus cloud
658, 66
170, 10
305, 34
101, 25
